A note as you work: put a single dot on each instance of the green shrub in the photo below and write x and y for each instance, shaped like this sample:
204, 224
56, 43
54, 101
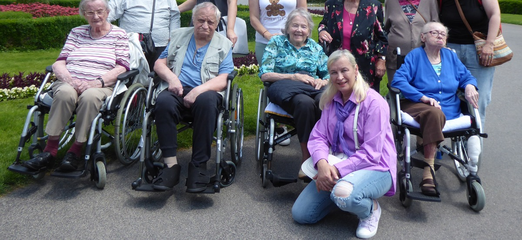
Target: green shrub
40, 33
15, 15
511, 6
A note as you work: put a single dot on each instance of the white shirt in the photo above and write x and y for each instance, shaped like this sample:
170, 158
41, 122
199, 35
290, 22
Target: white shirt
135, 16
273, 16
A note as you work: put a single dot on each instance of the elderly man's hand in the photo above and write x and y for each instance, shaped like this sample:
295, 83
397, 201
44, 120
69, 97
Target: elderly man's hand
191, 96
176, 87
472, 95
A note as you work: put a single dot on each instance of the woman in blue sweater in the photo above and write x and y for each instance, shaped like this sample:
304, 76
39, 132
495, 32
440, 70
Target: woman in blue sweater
429, 80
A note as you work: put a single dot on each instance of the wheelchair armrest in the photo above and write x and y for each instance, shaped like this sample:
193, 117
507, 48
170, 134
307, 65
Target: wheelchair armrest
128, 74
393, 90
232, 75
49, 69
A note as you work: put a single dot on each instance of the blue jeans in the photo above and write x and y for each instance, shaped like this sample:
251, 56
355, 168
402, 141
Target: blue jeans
484, 75
312, 206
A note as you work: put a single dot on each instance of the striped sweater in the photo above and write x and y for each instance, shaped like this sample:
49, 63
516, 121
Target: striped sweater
88, 58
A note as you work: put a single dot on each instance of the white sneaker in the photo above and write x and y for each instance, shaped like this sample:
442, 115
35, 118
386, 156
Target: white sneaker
368, 227
286, 142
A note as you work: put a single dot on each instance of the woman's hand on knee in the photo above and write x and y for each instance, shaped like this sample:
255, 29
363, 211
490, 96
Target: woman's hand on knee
326, 177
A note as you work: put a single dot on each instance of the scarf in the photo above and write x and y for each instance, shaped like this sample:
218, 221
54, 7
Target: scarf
342, 112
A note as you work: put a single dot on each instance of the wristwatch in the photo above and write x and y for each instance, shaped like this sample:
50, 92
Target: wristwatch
383, 58
102, 82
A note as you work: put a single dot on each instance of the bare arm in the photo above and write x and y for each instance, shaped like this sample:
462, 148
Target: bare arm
232, 13
163, 71
61, 72
254, 19
493, 11
187, 5
301, 4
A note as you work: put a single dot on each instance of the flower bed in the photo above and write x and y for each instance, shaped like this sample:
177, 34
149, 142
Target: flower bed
39, 10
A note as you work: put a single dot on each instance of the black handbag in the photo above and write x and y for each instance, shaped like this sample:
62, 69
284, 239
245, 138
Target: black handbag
147, 44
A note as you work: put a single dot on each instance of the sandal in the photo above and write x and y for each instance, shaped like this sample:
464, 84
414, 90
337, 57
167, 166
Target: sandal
428, 188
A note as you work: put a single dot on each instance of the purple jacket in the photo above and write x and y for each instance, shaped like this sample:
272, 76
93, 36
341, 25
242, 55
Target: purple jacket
376, 145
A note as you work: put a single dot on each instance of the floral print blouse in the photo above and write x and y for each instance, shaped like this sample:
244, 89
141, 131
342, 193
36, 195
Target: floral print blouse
368, 37
282, 57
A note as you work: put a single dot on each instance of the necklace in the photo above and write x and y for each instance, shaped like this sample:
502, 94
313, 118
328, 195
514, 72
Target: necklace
350, 18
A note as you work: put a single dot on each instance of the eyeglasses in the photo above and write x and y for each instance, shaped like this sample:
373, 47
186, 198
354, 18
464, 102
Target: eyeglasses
435, 33
98, 12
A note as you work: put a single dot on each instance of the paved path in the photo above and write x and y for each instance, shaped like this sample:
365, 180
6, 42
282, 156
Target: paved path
55, 208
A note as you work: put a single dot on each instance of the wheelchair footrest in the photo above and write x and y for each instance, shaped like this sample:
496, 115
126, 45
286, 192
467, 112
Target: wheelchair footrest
73, 174
422, 197
146, 188
278, 181
16, 167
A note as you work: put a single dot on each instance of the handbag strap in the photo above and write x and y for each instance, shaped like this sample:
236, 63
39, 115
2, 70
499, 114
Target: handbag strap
152, 18
463, 17
418, 11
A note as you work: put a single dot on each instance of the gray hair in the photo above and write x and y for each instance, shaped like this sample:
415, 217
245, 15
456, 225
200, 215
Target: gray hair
206, 5
84, 2
302, 12
427, 27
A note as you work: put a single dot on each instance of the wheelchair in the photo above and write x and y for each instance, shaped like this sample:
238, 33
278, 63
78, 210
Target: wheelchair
121, 109
230, 127
268, 115
459, 130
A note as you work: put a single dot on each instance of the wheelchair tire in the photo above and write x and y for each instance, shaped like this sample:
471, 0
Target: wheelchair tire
462, 171
227, 178
404, 187
476, 196
100, 175
128, 124
236, 140
264, 170
260, 127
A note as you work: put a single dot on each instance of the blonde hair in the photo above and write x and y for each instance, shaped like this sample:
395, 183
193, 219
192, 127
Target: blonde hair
360, 87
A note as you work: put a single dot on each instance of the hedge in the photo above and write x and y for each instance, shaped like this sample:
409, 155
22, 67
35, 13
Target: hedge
15, 15
40, 33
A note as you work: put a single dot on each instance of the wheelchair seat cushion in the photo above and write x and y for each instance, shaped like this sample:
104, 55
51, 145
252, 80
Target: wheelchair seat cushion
275, 109
462, 122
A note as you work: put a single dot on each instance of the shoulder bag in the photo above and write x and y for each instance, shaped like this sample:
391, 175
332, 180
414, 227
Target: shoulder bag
502, 53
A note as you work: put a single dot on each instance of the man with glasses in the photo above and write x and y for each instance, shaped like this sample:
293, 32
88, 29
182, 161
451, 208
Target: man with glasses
194, 69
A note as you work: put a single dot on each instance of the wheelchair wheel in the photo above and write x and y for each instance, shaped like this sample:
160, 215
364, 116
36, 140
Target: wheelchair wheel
227, 178
128, 124
459, 148
260, 127
236, 140
264, 170
405, 187
476, 196
100, 175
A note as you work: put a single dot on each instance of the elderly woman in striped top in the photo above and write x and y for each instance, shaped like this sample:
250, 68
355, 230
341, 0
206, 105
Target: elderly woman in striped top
86, 69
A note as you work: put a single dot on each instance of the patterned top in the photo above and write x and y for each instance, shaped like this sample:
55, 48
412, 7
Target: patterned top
282, 57
409, 10
87, 58
367, 38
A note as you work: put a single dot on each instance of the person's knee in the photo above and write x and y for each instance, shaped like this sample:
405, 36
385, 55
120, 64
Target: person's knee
343, 189
301, 216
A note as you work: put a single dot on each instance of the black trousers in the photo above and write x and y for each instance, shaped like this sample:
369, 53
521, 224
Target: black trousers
169, 111
306, 113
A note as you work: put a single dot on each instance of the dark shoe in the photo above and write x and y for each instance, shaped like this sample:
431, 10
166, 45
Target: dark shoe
71, 163
167, 178
40, 161
197, 180
428, 187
